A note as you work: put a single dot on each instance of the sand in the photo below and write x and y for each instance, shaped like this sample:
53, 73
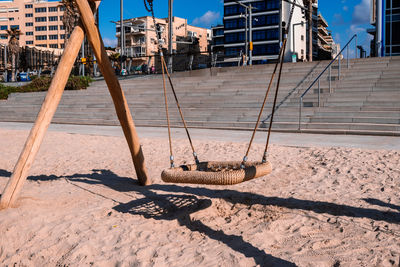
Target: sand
82, 206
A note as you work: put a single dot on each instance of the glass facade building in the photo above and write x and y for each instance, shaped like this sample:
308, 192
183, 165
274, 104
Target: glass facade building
392, 28
266, 30
268, 16
385, 16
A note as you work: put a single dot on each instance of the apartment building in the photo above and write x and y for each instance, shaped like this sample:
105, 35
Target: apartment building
327, 48
385, 16
40, 22
141, 39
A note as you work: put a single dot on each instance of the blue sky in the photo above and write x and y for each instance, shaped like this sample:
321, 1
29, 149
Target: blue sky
345, 17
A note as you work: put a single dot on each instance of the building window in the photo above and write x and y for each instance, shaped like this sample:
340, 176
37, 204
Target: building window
269, 49
41, 45
302, 37
53, 37
28, 6
29, 33
11, 19
53, 28
41, 37
4, 36
40, 19
53, 45
61, 18
273, 19
14, 27
272, 5
234, 37
3, 27
230, 10
40, 9
28, 15
62, 36
219, 32
53, 9
233, 51
62, 8
233, 10
62, 27
260, 6
53, 18
29, 42
29, 24
218, 41
272, 34
231, 24
41, 28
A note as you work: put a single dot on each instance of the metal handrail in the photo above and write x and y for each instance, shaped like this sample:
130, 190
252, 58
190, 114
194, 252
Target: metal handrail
330, 78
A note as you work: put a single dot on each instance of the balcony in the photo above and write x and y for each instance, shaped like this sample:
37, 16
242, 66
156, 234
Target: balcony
135, 51
322, 30
135, 30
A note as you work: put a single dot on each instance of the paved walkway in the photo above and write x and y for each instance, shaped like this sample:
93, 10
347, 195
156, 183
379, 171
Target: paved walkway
285, 139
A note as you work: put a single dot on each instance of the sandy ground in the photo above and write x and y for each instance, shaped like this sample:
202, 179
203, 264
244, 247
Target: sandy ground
81, 206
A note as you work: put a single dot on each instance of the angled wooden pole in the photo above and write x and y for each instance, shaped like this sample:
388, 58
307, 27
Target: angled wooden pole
44, 118
120, 103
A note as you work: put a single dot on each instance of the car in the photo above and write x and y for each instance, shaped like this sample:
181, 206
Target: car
23, 77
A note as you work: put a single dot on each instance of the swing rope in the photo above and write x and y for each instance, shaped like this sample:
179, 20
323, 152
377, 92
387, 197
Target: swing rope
171, 155
180, 112
262, 109
278, 63
149, 7
264, 159
287, 30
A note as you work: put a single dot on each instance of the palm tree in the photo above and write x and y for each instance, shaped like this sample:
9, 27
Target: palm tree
13, 45
70, 16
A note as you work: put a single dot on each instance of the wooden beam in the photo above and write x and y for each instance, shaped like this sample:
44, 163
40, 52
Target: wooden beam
43, 120
120, 103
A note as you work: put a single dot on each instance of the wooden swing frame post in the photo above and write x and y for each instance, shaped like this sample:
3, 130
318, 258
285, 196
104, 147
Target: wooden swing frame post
53, 98
114, 87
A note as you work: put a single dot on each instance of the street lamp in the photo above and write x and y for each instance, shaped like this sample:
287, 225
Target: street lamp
122, 31
246, 36
249, 10
170, 33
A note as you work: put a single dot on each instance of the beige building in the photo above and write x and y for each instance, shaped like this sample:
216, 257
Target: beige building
141, 39
40, 21
327, 48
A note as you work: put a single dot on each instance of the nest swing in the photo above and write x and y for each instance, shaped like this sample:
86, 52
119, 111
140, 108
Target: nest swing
216, 172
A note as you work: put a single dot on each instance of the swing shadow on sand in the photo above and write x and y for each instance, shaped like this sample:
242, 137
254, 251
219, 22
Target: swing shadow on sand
175, 206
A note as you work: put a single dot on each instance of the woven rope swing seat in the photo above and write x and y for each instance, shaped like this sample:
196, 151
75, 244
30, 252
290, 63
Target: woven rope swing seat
216, 173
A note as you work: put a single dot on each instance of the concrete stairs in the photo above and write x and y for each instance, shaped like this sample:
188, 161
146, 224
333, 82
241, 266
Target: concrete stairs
364, 100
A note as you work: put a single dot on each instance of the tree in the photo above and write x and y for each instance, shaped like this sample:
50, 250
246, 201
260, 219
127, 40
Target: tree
14, 48
70, 16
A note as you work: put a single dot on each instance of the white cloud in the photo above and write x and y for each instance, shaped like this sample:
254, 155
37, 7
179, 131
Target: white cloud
110, 42
355, 29
361, 13
209, 18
